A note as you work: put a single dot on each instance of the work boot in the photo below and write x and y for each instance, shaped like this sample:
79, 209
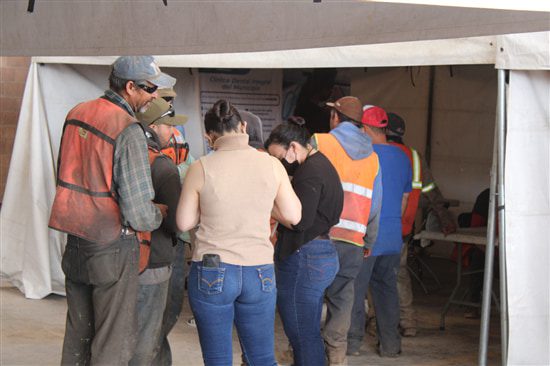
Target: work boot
353, 348
371, 326
336, 356
407, 331
383, 353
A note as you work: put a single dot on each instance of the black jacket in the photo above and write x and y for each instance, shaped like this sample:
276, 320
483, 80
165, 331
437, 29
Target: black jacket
166, 183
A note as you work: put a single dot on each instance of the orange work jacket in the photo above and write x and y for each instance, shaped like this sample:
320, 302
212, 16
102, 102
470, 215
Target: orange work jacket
85, 203
357, 177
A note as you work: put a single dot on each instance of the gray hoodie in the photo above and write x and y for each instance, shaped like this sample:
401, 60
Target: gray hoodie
358, 145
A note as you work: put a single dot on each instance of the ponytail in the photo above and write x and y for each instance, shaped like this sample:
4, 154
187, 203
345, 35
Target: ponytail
222, 117
293, 130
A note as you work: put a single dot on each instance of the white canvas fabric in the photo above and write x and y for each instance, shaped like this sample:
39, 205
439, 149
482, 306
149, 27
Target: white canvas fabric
528, 217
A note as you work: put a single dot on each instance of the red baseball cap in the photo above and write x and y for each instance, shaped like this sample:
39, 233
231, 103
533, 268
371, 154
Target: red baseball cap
374, 116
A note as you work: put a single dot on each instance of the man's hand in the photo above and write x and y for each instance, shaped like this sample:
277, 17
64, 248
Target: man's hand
162, 208
366, 252
449, 228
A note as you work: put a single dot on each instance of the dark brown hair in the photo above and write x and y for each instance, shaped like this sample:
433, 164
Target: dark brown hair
222, 117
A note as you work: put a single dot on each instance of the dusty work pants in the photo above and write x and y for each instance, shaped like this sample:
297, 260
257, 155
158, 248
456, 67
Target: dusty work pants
101, 282
174, 304
152, 293
339, 296
404, 289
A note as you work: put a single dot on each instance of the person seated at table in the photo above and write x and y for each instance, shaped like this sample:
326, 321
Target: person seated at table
473, 257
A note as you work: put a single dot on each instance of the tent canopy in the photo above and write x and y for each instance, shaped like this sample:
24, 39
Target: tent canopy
524, 51
70, 28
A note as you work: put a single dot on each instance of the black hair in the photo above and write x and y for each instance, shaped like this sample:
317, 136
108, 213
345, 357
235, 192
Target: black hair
378, 130
222, 117
393, 138
117, 84
293, 130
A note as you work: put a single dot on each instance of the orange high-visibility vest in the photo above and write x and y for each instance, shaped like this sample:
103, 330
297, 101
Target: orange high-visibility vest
144, 237
85, 203
177, 148
357, 177
407, 220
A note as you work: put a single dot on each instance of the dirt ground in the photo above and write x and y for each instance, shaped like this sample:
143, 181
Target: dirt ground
31, 331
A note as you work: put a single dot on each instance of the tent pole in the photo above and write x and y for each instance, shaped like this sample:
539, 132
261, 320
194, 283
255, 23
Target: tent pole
489, 251
501, 216
428, 151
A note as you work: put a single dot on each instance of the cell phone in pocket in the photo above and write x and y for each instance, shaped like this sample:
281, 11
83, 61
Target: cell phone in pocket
211, 260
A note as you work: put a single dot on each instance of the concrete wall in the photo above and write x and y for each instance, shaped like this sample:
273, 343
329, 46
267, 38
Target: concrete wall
13, 74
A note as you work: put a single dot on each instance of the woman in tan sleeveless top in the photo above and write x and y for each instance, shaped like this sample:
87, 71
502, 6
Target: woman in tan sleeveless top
231, 195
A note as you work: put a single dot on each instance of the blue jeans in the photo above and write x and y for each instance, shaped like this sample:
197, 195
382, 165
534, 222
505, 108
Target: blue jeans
380, 273
243, 295
301, 282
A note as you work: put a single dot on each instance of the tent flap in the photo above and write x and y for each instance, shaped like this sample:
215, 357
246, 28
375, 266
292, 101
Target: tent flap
199, 27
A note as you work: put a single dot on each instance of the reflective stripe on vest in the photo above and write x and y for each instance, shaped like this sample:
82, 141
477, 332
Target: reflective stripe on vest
357, 189
408, 217
351, 225
417, 180
85, 203
357, 177
428, 188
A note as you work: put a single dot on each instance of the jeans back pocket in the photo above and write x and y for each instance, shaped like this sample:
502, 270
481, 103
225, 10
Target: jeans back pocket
104, 268
70, 263
322, 267
267, 277
210, 279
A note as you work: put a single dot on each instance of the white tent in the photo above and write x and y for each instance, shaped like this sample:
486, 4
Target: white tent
31, 252
274, 35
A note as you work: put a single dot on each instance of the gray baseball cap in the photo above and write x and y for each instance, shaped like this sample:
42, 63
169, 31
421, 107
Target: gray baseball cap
140, 68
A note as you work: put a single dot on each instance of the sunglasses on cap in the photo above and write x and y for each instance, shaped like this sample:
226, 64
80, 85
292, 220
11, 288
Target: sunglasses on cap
168, 113
147, 88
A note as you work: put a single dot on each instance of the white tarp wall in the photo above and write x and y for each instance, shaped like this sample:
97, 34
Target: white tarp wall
463, 120
528, 217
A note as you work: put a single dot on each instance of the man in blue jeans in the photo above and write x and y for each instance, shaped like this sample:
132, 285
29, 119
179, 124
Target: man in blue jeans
380, 267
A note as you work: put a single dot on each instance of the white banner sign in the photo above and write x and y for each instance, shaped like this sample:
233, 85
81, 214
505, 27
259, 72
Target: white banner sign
255, 90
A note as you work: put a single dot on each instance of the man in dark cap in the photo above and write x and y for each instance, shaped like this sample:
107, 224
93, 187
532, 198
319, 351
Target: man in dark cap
423, 187
104, 195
